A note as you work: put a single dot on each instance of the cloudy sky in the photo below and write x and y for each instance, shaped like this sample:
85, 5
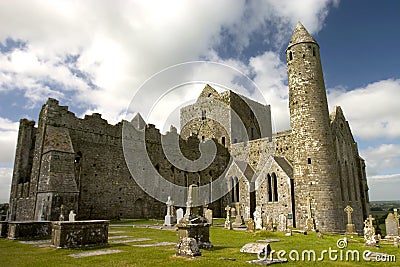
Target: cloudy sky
94, 56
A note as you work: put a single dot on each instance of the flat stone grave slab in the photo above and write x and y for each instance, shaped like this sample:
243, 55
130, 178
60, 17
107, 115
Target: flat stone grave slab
38, 243
115, 232
265, 262
95, 253
268, 240
77, 234
123, 241
155, 245
118, 237
256, 248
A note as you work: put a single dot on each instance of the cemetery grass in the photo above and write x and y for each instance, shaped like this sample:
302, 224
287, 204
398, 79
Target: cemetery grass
226, 248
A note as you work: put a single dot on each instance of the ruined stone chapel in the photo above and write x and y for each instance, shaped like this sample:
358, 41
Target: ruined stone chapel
308, 173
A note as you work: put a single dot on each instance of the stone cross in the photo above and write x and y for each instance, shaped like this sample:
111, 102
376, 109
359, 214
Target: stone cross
349, 211
169, 204
228, 209
370, 219
396, 217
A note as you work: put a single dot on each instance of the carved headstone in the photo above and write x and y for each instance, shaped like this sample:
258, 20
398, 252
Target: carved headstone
369, 233
238, 218
179, 214
282, 225
250, 225
350, 228
391, 226
170, 218
209, 216
228, 223
71, 216
269, 223
246, 213
257, 218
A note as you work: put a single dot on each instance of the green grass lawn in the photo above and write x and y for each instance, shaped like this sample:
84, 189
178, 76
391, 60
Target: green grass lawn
226, 245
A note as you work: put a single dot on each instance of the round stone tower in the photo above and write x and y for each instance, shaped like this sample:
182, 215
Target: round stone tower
315, 173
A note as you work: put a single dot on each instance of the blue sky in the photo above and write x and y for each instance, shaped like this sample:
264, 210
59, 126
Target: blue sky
94, 55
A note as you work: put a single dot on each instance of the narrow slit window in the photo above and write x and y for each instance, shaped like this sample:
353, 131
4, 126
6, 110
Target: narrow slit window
290, 55
309, 160
313, 51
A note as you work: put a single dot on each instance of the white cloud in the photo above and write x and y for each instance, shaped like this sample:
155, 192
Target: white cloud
8, 140
5, 184
120, 44
373, 111
270, 76
381, 160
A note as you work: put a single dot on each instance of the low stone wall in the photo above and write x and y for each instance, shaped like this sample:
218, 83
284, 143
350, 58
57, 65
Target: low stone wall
77, 234
29, 229
3, 228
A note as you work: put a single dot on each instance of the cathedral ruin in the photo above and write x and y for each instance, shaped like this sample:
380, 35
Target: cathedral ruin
309, 173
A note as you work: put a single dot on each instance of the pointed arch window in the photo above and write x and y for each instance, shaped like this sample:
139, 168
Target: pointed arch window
269, 187
275, 187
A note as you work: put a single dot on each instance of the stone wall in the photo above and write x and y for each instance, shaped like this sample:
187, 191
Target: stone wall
79, 163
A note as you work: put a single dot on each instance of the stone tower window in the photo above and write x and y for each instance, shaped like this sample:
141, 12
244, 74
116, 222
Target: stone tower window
309, 160
313, 52
223, 140
209, 94
203, 115
290, 55
203, 138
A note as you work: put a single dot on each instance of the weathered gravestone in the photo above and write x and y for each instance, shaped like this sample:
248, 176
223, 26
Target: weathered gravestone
209, 216
258, 218
179, 214
369, 233
350, 228
391, 226
228, 223
238, 218
170, 218
71, 216
282, 225
250, 225
193, 228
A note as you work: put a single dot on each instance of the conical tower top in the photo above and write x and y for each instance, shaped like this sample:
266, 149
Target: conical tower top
301, 35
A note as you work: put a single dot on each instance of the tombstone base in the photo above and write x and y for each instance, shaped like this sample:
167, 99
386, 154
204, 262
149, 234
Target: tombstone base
238, 221
228, 225
169, 220
351, 229
197, 228
187, 247
29, 229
